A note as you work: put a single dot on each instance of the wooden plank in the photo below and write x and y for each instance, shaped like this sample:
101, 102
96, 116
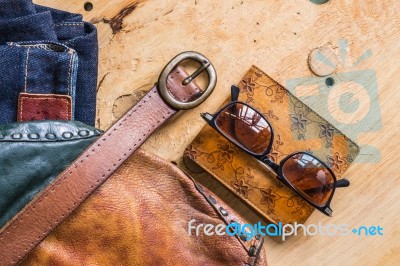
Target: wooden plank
277, 36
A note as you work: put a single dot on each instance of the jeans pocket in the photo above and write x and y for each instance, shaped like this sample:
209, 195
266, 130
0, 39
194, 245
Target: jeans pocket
49, 68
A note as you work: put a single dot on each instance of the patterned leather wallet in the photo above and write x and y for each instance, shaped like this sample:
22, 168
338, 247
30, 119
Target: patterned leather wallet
296, 127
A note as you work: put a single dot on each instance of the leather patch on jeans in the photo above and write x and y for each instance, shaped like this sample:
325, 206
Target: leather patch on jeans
34, 107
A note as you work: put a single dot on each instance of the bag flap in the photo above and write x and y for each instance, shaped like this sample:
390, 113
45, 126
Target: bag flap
32, 154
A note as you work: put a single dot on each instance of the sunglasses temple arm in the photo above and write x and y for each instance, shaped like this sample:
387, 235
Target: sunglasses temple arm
271, 164
206, 116
342, 183
234, 93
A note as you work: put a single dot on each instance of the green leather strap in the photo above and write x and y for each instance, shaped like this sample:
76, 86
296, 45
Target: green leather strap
32, 154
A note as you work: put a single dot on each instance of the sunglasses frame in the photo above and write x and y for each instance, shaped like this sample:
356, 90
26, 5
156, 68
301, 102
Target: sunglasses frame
263, 158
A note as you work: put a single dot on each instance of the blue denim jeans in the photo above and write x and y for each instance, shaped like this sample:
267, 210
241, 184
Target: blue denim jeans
46, 51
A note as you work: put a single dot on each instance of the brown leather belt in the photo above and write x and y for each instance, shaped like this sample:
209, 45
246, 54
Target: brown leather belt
174, 92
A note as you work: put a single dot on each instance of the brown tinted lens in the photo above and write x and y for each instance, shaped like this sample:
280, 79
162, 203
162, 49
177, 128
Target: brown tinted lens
245, 127
308, 175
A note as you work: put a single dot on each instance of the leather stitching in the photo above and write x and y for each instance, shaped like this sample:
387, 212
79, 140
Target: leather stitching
68, 172
20, 107
246, 245
22, 98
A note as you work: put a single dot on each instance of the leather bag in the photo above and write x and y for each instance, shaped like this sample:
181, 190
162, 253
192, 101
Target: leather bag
139, 216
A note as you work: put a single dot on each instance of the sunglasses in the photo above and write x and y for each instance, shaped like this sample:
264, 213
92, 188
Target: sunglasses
304, 173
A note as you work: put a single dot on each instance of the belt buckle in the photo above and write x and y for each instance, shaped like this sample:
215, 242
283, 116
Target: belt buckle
205, 65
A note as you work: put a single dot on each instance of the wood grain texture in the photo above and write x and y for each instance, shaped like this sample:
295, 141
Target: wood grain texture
137, 38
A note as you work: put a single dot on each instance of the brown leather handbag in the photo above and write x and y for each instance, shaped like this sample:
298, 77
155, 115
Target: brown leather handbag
110, 208
140, 217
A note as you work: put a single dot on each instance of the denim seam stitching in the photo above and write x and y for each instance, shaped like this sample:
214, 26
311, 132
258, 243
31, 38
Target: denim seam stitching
34, 44
43, 46
28, 47
69, 72
26, 69
69, 24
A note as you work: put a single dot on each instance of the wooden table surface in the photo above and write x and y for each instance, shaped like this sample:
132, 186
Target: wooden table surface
137, 38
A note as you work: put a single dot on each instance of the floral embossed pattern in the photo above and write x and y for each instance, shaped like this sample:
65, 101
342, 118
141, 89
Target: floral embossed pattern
296, 127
